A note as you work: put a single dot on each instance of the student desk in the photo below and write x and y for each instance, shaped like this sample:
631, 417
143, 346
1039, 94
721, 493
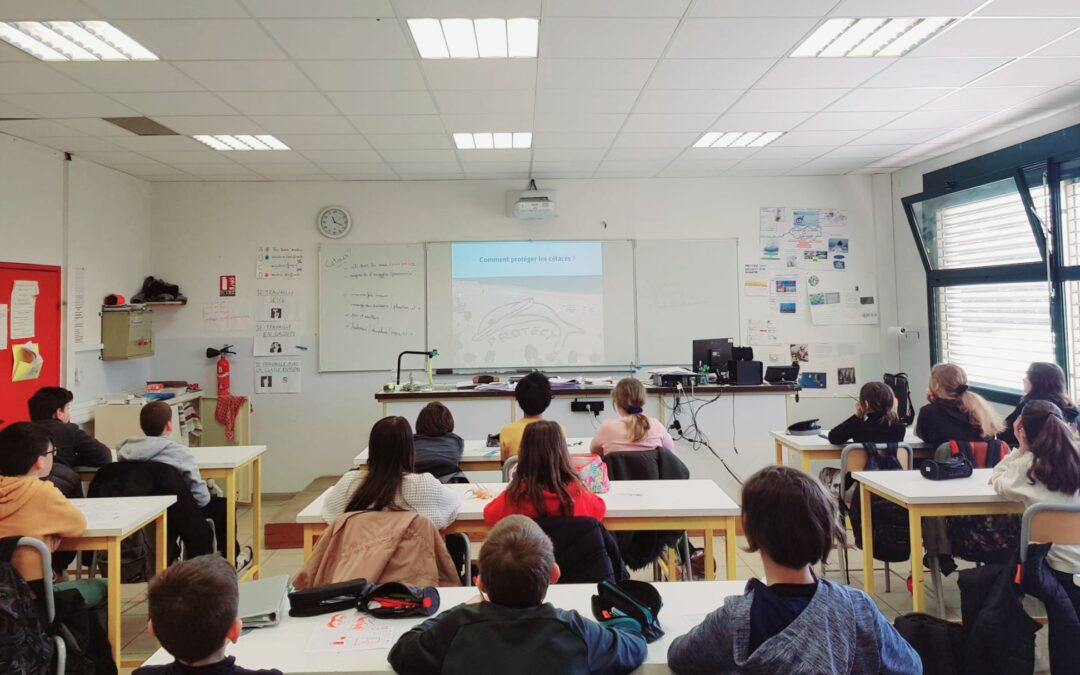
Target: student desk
815, 448
224, 463
678, 505
108, 522
924, 498
286, 646
479, 457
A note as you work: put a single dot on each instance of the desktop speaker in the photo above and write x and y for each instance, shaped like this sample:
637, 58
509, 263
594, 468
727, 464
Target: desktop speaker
746, 372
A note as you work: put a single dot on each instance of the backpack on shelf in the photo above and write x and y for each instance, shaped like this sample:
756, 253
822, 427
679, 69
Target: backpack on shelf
902, 391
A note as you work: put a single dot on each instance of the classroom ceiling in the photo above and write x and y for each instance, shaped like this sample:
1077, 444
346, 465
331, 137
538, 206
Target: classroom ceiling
621, 88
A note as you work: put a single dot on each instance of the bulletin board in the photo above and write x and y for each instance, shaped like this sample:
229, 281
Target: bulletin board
39, 292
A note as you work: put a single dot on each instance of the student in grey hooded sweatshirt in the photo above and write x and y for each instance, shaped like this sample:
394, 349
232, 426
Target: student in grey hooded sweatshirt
796, 624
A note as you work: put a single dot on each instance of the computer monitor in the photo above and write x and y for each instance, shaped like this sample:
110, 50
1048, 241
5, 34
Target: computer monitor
714, 350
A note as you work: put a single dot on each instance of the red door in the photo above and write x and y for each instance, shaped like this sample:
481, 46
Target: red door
47, 313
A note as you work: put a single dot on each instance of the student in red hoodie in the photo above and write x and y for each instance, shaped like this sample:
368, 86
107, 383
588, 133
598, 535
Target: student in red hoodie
545, 485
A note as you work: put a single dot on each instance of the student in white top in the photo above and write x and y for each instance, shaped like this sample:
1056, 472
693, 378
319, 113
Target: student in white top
391, 482
634, 430
1044, 469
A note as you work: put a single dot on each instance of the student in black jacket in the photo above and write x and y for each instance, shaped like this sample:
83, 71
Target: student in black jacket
513, 630
875, 419
955, 413
1043, 382
50, 408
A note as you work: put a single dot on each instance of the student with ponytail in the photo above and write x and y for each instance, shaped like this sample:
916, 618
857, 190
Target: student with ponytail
875, 419
1044, 469
633, 430
1042, 382
954, 412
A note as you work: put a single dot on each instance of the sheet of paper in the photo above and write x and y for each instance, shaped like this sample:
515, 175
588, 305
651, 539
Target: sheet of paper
275, 338
78, 310
3, 326
823, 350
23, 309
772, 223
277, 304
226, 316
855, 305
277, 376
279, 262
763, 332
26, 362
349, 632
845, 376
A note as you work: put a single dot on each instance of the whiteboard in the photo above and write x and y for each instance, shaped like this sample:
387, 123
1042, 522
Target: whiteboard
686, 290
371, 304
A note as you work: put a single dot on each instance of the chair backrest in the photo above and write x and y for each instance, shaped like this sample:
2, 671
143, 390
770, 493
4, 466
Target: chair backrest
508, 468
46, 572
658, 463
1049, 524
854, 458
977, 452
581, 549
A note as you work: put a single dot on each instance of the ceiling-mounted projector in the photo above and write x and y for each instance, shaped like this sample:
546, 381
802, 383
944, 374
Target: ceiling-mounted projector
531, 204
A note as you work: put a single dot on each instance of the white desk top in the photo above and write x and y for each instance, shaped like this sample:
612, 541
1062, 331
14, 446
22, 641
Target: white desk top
210, 456
627, 499
119, 516
910, 487
286, 646
817, 442
478, 451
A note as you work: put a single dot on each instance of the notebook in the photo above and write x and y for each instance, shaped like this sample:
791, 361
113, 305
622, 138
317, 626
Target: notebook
261, 601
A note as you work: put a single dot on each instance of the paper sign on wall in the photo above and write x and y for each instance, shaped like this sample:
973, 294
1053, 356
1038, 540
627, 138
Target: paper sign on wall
227, 285
763, 332
23, 309
3, 326
26, 362
847, 306
78, 314
275, 338
279, 262
277, 376
226, 316
277, 304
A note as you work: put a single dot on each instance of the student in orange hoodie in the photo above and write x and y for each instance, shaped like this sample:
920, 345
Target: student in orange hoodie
33, 507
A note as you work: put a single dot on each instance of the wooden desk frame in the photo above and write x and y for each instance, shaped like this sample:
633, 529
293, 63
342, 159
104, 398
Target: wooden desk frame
229, 476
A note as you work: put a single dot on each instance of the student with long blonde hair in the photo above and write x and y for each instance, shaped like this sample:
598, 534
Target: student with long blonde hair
633, 430
954, 412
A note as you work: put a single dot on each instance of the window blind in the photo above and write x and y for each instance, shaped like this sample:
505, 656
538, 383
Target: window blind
984, 232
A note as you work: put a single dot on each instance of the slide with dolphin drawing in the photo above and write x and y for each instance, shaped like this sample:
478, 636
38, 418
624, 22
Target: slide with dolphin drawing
529, 303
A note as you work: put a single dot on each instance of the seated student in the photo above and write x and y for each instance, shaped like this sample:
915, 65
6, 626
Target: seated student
1044, 469
192, 607
512, 629
955, 413
794, 623
155, 419
545, 484
874, 421
391, 481
1043, 382
533, 394
50, 407
634, 430
438, 448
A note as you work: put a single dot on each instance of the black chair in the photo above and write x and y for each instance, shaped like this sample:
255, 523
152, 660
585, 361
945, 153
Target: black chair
584, 550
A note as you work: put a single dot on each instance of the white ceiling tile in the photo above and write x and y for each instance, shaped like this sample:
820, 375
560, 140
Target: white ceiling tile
18, 10
342, 156
266, 9
1034, 72
586, 101
612, 38
709, 73
279, 103
70, 105
766, 166
93, 126
257, 160
720, 155
668, 140
110, 157
468, 9
803, 138
478, 73
152, 143
9, 53
403, 168
593, 73
790, 153
686, 101
288, 170
907, 8
563, 169
475, 157
1022, 8
464, 101
571, 139
568, 154
383, 102
209, 124
214, 169
629, 169
395, 156
11, 111
367, 75
175, 103
821, 73
398, 124
147, 170
202, 39
985, 98
694, 170
353, 168
246, 75
1062, 97
491, 121
643, 154
35, 128
772, 121
623, 8
339, 38
811, 170
577, 123
140, 76
304, 124
741, 170
1066, 46
865, 152
711, 164
903, 99
738, 38
167, 9
324, 141
944, 72
895, 136
844, 121
669, 123
365, 176
505, 171
34, 78
995, 37
206, 155
409, 141
76, 143
787, 100
934, 119
761, 8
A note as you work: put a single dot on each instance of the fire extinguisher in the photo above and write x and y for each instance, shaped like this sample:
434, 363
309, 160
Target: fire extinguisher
222, 367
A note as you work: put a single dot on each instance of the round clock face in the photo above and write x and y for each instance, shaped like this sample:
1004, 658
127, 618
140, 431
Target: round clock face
334, 222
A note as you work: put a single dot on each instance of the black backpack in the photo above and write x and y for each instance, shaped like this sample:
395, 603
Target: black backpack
902, 391
25, 646
892, 539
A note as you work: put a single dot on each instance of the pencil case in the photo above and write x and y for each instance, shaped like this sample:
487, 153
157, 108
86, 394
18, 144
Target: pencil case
629, 605
396, 599
329, 598
947, 470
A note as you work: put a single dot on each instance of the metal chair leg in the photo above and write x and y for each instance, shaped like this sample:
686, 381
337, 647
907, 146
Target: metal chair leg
888, 578
687, 568
935, 576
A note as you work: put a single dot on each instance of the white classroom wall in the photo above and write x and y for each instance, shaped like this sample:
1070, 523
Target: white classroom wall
203, 230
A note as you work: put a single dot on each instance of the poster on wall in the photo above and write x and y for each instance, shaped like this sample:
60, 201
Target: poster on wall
763, 333
3, 326
276, 338
277, 376
78, 313
23, 309
226, 316
277, 304
772, 223
833, 306
279, 262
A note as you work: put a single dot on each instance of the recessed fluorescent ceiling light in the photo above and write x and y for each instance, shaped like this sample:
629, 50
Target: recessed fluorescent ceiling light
737, 139
869, 37
242, 142
475, 38
496, 141
73, 41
